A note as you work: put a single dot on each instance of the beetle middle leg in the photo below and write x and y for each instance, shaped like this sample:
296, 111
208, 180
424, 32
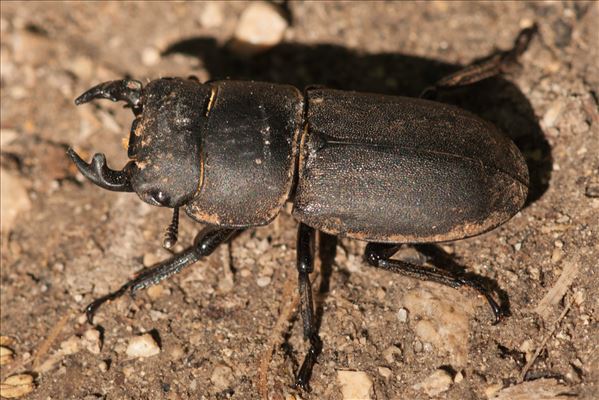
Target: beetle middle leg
206, 241
486, 68
379, 255
305, 265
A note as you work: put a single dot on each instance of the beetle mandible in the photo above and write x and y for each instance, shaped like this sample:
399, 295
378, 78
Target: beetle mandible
382, 169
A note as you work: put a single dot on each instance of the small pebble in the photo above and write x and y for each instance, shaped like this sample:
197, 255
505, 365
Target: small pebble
128, 371
176, 352
391, 354
212, 15
70, 346
418, 346
16, 386
221, 377
556, 255
245, 273
261, 26
150, 56
263, 281
553, 114
156, 315
6, 355
441, 318
7, 136
355, 385
592, 190
436, 383
459, 377
92, 341
492, 390
155, 292
385, 372
6, 341
103, 366
402, 315
142, 346
58, 267
13, 199
579, 298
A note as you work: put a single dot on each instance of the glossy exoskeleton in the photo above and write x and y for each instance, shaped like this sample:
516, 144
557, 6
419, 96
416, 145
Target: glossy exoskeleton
381, 169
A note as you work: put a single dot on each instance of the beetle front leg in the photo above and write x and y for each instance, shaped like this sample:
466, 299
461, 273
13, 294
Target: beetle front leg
379, 255
491, 66
206, 241
305, 265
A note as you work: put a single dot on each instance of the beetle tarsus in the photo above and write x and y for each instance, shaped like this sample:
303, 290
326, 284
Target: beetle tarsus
379, 255
494, 65
92, 307
127, 90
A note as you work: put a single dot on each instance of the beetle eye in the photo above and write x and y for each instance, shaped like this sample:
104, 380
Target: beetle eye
158, 198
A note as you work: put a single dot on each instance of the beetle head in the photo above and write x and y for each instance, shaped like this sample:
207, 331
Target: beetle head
164, 142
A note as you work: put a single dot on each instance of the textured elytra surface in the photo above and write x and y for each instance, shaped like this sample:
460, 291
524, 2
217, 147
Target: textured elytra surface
412, 170
76, 241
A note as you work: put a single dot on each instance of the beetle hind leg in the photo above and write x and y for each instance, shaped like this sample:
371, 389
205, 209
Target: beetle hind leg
305, 265
488, 67
207, 240
379, 255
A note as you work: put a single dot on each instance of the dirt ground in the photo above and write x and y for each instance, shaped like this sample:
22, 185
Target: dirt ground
66, 241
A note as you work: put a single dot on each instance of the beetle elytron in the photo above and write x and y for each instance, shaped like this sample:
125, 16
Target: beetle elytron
382, 169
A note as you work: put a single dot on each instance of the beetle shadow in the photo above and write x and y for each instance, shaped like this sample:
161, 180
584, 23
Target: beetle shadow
495, 99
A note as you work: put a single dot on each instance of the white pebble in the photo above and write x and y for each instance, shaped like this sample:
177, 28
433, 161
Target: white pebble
402, 315
261, 24
553, 113
438, 382
212, 16
103, 366
92, 341
355, 385
263, 281
222, 376
384, 372
150, 56
17, 386
14, 199
142, 346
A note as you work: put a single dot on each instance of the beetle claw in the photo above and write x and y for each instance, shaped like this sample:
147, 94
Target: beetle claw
100, 174
128, 90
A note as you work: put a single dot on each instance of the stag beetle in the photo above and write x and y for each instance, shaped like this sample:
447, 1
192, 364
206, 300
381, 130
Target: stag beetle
382, 169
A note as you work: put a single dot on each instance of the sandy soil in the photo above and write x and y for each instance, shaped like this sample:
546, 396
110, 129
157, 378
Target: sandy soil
66, 242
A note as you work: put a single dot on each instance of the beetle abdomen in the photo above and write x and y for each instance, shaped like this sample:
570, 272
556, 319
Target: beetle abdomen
394, 169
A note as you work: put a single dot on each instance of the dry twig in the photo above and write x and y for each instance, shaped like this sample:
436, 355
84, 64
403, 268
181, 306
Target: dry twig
544, 342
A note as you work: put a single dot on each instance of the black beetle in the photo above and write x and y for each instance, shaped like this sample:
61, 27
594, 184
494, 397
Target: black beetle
382, 169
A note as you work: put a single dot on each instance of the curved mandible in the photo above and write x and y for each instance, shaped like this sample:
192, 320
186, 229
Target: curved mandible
101, 175
128, 90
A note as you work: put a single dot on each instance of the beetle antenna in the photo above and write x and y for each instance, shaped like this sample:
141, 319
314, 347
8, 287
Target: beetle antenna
170, 236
